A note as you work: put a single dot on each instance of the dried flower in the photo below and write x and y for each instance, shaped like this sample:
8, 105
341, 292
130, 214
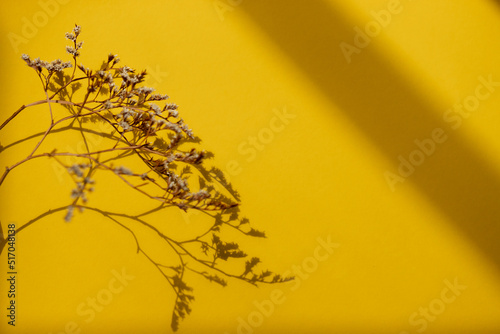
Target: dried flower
70, 36
125, 126
171, 106
77, 169
123, 170
108, 104
88, 180
156, 109
145, 90
76, 30
69, 214
151, 132
158, 97
72, 51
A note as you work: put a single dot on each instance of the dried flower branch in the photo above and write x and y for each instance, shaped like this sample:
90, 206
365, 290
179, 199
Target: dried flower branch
142, 125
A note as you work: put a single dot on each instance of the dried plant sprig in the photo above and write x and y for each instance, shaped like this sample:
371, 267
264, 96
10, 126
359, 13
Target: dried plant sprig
142, 125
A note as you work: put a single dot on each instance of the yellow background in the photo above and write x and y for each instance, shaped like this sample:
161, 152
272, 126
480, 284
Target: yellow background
229, 68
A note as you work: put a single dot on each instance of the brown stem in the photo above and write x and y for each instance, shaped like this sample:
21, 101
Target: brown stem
4, 175
33, 104
31, 155
12, 116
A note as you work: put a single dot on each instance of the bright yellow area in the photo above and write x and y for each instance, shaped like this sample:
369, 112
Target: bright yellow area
319, 174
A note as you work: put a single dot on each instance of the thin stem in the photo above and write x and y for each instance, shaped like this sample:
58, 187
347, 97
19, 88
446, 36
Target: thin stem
50, 109
30, 105
13, 116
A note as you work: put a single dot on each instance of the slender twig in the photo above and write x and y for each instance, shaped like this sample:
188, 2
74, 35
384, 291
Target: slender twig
137, 127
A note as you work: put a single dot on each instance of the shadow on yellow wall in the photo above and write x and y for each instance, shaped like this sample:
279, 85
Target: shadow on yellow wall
381, 101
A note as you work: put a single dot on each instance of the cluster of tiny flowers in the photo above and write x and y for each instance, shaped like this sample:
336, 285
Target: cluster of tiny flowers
171, 106
156, 109
107, 78
172, 109
74, 50
113, 58
70, 36
55, 66
108, 104
79, 192
78, 169
158, 97
178, 133
192, 157
176, 184
69, 213
145, 90
198, 196
125, 126
186, 129
123, 170
131, 108
82, 186
124, 117
127, 113
149, 121
128, 76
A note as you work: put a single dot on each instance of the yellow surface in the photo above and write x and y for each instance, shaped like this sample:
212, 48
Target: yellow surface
231, 66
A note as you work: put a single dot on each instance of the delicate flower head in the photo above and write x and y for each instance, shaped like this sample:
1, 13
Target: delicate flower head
123, 170
77, 29
69, 214
156, 109
125, 126
70, 36
88, 180
126, 69
77, 169
145, 90
108, 104
72, 51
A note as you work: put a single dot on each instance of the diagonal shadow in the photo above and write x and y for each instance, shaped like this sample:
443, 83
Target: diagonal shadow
383, 104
